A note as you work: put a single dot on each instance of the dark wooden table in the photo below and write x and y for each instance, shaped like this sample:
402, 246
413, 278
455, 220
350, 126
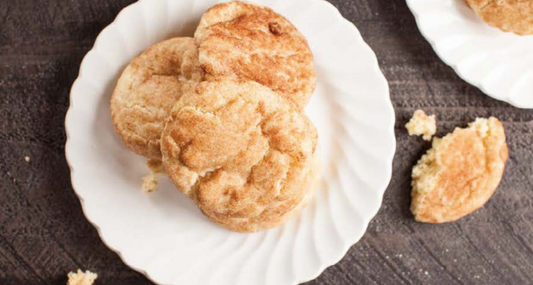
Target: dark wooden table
43, 233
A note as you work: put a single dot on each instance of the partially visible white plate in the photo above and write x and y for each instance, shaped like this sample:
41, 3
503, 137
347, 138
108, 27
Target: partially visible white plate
498, 63
162, 234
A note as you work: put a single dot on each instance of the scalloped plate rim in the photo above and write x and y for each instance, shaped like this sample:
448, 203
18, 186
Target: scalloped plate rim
455, 67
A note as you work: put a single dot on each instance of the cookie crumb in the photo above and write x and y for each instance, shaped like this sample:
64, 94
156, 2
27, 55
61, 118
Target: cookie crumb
155, 165
150, 183
27, 158
422, 125
81, 278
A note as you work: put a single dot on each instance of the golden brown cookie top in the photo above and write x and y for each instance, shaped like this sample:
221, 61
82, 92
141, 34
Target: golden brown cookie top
460, 173
252, 42
508, 15
146, 91
239, 151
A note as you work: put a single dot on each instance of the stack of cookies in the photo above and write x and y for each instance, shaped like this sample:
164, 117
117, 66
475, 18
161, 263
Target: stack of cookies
223, 111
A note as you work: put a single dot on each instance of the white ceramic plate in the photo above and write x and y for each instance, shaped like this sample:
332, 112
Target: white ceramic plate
162, 234
498, 63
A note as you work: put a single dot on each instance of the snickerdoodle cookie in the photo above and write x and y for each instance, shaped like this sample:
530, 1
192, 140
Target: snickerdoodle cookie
508, 15
147, 90
460, 173
252, 42
241, 153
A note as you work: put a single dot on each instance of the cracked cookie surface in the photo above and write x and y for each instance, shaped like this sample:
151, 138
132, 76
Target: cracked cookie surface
460, 173
241, 153
146, 91
252, 42
508, 15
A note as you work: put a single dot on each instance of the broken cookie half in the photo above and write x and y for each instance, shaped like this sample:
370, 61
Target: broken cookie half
460, 173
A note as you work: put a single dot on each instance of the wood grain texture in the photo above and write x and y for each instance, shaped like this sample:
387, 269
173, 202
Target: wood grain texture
43, 233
